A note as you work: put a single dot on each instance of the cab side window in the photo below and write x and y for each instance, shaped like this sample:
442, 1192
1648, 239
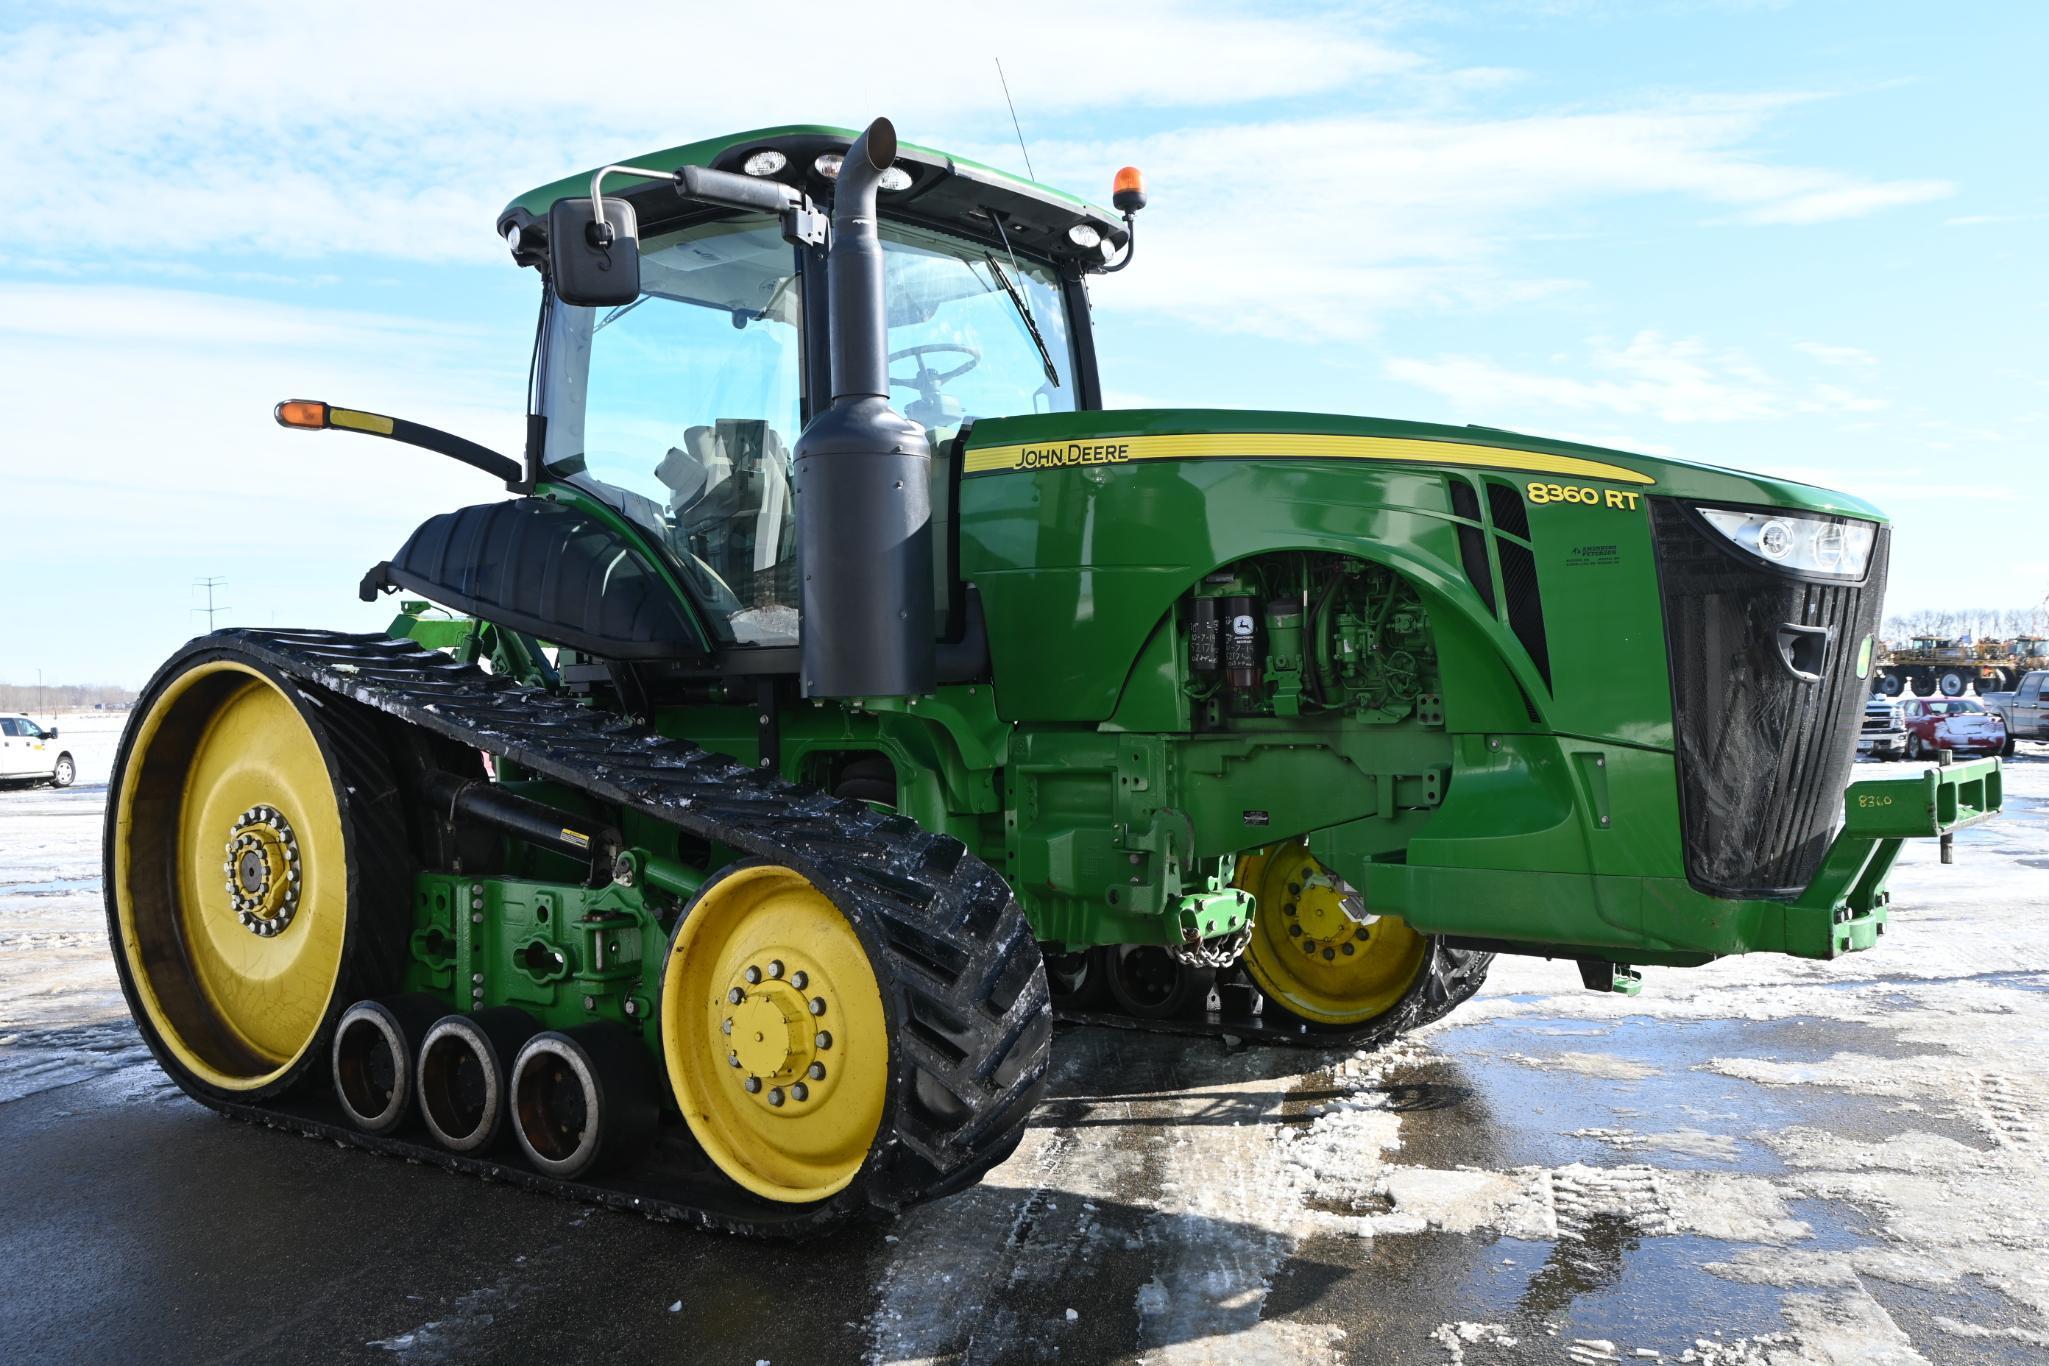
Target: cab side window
11, 727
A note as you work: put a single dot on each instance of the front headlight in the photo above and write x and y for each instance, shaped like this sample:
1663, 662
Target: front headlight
1836, 547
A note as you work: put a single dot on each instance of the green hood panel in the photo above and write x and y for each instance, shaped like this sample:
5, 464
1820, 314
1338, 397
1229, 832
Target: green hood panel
1067, 440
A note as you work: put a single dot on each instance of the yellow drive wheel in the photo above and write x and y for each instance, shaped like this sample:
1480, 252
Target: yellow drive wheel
1320, 960
233, 839
774, 1034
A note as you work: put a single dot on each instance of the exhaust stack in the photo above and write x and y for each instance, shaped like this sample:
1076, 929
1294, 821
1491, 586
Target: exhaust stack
863, 471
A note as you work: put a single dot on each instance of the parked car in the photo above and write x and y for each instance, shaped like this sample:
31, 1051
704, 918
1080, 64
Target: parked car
2025, 710
1961, 725
28, 753
1883, 737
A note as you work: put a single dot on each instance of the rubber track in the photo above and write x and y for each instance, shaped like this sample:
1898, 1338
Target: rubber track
1451, 979
978, 1018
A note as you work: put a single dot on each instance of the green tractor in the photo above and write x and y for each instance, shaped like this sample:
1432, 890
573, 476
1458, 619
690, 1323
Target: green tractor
898, 697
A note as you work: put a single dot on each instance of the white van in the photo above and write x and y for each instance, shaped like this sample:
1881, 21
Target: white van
30, 753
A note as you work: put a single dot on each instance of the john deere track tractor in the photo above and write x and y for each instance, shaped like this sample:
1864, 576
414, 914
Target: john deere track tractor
846, 693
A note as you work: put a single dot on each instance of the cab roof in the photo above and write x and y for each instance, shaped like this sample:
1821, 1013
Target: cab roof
947, 192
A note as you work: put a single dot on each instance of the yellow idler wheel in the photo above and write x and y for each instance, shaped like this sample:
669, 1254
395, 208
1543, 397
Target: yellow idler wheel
1318, 961
774, 1034
245, 830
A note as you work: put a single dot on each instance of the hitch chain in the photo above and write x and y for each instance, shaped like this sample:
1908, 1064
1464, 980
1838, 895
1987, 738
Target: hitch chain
1219, 952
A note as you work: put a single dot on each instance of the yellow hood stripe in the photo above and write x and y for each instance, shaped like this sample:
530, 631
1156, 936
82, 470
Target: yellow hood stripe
1118, 450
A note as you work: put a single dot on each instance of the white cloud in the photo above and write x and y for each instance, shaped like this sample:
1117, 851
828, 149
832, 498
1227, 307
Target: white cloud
400, 128
1326, 226
1829, 354
256, 131
1677, 380
1848, 201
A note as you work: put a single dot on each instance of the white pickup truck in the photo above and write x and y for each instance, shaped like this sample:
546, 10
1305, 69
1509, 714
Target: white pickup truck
2025, 710
28, 753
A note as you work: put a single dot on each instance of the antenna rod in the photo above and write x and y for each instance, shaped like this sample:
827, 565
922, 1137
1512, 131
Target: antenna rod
1013, 120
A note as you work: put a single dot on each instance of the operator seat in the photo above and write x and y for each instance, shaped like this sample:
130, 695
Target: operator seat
730, 498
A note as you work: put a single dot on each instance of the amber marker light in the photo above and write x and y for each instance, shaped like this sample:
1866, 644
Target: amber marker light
309, 413
1127, 191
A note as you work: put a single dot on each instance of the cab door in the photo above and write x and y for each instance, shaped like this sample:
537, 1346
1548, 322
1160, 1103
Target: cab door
14, 748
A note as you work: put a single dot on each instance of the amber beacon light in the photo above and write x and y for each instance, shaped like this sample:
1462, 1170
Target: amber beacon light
1127, 191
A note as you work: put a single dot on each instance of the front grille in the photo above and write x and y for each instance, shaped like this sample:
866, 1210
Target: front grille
1762, 756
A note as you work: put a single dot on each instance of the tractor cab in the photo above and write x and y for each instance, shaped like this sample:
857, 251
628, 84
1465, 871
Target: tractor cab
681, 407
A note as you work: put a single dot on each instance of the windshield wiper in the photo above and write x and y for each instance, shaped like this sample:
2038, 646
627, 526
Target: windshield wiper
616, 314
1024, 313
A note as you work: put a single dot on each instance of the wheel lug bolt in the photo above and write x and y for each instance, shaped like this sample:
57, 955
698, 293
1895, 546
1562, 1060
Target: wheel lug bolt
800, 980
1294, 930
753, 974
1361, 935
753, 1084
816, 1071
818, 1005
727, 1027
1288, 909
824, 1039
775, 1095
1329, 954
735, 996
1348, 949
733, 1058
775, 967
800, 1092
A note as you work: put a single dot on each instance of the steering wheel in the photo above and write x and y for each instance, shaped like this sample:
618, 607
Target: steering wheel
928, 380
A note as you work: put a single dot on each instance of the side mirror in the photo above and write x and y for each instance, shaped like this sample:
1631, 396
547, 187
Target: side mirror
50, 734
594, 260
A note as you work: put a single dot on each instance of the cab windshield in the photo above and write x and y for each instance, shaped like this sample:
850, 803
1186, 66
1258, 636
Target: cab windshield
681, 408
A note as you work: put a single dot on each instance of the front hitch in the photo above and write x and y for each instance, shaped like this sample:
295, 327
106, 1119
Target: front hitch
1844, 907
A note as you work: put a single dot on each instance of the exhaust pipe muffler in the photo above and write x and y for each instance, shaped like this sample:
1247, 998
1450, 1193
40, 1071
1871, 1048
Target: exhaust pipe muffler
864, 476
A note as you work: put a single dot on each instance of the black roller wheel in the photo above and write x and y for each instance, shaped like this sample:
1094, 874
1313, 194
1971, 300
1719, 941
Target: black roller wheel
1146, 981
1075, 980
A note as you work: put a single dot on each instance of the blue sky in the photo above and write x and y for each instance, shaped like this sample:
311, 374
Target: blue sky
1806, 238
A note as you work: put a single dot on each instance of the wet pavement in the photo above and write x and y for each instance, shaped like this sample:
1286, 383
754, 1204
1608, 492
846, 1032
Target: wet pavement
1763, 1161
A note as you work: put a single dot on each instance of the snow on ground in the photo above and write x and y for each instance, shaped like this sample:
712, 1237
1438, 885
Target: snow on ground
1793, 1162
1761, 1162
54, 965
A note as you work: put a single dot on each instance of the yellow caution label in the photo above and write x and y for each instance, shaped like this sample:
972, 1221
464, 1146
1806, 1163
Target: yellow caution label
1054, 455
359, 422
577, 838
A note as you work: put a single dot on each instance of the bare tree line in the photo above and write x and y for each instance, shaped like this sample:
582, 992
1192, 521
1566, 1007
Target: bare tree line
62, 696
1980, 623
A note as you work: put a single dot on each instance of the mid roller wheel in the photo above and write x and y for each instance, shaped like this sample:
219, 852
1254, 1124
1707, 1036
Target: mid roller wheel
252, 892
1324, 960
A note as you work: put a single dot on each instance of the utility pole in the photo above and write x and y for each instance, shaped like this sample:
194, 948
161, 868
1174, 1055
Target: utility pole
39, 696
211, 611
